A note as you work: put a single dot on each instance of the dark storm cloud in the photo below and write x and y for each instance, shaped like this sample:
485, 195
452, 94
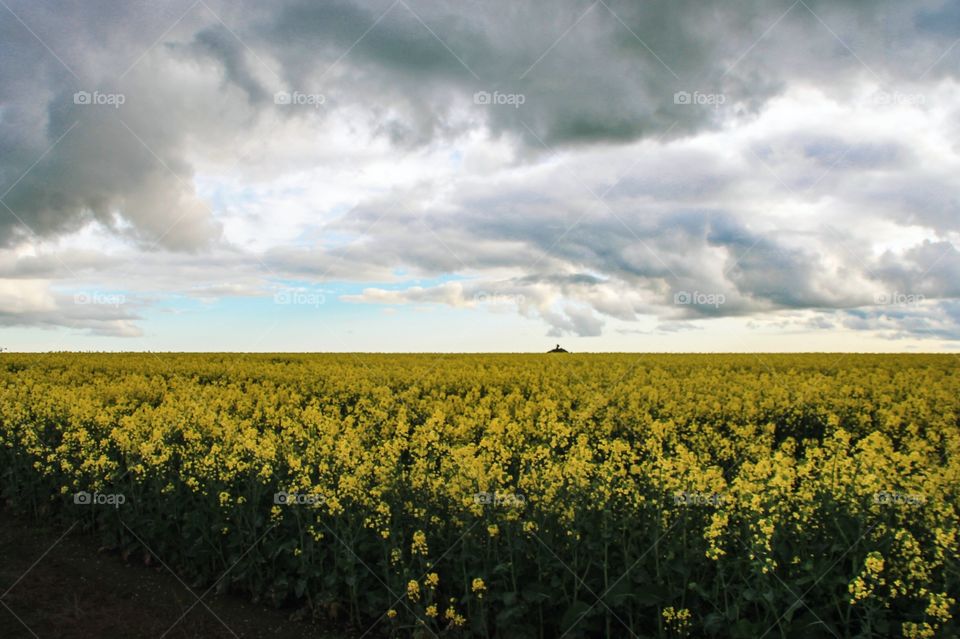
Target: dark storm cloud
589, 73
65, 158
223, 47
594, 72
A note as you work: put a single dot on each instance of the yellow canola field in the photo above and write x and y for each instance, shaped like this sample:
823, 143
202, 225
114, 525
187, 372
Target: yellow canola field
515, 495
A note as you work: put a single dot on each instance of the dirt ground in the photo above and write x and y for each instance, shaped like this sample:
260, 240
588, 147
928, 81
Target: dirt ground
69, 590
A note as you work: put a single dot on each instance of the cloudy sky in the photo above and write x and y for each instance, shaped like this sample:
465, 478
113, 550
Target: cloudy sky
411, 175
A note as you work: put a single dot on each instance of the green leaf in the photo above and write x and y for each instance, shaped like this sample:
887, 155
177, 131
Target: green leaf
537, 593
575, 615
300, 587
714, 623
743, 629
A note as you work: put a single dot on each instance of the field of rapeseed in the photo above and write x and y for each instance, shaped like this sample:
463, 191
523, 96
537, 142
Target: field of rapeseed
515, 495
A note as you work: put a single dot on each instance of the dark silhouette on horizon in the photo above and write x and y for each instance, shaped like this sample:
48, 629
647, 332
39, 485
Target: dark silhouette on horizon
558, 350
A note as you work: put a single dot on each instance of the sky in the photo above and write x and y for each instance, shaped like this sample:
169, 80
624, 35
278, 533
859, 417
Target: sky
410, 175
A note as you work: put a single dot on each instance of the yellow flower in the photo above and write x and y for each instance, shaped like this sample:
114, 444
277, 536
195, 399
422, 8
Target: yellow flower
493, 530
419, 545
392, 613
432, 580
413, 590
864, 584
874, 563
939, 606
678, 620
913, 630
431, 611
478, 587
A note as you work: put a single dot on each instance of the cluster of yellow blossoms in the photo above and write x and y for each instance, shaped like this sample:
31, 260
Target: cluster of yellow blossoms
526, 495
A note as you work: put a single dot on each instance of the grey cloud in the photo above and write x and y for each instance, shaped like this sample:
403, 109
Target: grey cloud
834, 153
223, 47
930, 269
677, 327
620, 275
64, 164
91, 312
674, 223
576, 320
912, 198
760, 267
563, 319
943, 19
628, 262
600, 82
60, 265
936, 321
588, 73
100, 170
